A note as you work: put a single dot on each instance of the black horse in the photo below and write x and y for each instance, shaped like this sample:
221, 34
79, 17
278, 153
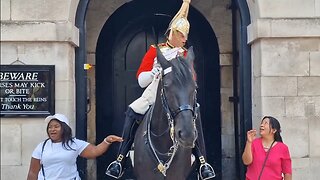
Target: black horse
164, 141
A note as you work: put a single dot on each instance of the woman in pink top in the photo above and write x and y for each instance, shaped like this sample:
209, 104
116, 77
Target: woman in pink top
267, 157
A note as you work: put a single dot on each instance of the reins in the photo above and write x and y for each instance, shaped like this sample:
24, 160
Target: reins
164, 166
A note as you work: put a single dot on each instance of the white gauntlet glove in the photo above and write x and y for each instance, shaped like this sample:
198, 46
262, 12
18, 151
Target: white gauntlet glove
145, 78
156, 71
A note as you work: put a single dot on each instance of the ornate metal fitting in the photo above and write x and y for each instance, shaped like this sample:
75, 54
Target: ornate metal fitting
202, 160
169, 116
172, 132
120, 157
161, 167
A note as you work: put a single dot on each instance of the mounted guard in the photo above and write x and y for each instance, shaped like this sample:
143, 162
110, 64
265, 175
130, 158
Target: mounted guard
149, 74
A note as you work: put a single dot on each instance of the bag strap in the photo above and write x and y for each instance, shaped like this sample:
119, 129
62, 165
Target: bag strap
265, 160
44, 143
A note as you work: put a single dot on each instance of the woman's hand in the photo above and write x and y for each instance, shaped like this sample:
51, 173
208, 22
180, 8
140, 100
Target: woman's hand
113, 138
92, 151
247, 154
251, 135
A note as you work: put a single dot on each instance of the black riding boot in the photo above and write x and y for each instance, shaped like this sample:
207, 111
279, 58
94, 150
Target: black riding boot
131, 124
205, 170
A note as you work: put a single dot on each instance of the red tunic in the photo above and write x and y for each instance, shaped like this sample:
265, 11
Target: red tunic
147, 61
151, 54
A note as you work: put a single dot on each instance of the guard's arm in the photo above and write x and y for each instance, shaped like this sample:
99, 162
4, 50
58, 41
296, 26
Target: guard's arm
144, 73
145, 78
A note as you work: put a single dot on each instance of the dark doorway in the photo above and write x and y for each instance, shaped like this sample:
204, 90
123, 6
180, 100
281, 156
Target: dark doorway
124, 39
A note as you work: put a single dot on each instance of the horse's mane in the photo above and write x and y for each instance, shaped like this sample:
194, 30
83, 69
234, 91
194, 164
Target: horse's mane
183, 70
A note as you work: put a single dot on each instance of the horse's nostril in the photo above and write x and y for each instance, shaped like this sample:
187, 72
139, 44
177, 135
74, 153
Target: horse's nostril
186, 136
183, 135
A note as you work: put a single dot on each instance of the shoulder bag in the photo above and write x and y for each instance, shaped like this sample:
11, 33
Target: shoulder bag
44, 143
265, 160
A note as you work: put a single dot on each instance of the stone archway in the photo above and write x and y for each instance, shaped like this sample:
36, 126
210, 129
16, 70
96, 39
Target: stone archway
111, 64
244, 54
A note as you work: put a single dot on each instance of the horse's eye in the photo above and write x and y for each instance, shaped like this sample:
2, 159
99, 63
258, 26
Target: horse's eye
167, 83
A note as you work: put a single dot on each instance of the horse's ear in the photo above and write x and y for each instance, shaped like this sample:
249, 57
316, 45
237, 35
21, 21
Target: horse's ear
190, 55
162, 60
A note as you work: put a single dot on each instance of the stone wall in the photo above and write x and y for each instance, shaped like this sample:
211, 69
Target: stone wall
286, 74
99, 12
37, 33
285, 43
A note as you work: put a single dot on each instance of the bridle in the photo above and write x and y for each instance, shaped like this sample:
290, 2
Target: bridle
171, 115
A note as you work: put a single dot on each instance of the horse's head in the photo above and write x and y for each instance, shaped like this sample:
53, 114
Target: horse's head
178, 93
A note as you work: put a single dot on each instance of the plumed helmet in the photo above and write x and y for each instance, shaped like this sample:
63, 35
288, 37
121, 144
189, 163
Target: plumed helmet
180, 22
